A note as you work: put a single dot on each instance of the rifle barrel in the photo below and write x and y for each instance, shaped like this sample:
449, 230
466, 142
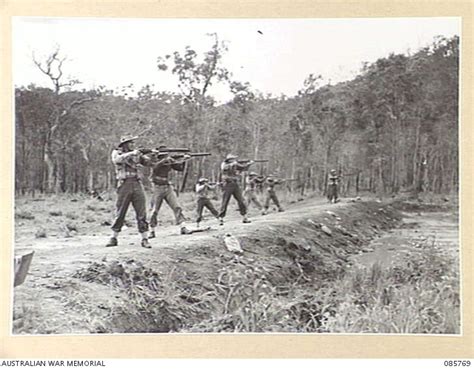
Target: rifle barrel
200, 154
255, 161
174, 149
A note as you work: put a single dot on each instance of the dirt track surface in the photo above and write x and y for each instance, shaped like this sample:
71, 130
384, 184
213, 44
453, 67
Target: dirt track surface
54, 301
192, 282
55, 257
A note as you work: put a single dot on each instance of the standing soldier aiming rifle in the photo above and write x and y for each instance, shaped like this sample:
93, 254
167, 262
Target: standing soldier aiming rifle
271, 182
203, 187
127, 162
230, 170
163, 190
333, 186
251, 183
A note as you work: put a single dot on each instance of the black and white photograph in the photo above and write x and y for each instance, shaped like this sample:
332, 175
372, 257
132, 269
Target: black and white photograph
241, 175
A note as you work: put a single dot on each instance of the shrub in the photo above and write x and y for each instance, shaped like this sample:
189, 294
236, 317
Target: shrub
22, 214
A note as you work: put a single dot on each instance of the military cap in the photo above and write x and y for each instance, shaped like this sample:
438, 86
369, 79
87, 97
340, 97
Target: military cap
127, 138
231, 156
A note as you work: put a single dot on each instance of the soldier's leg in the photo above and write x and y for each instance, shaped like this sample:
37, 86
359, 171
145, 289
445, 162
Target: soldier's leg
248, 198
124, 196
267, 200
255, 201
237, 193
227, 190
172, 201
158, 195
331, 193
276, 201
200, 208
208, 204
139, 204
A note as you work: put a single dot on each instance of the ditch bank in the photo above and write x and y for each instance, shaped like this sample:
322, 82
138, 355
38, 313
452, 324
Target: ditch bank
280, 283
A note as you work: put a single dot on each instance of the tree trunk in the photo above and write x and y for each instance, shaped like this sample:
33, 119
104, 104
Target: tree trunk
49, 184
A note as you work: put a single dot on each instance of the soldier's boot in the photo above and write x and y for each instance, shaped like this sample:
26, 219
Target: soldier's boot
264, 212
112, 242
245, 219
197, 225
152, 234
145, 243
281, 209
221, 221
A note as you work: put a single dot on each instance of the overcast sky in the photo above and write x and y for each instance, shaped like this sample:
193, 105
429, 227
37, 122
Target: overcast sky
116, 52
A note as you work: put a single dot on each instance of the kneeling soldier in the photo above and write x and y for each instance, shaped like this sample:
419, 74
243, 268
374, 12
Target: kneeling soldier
202, 190
271, 194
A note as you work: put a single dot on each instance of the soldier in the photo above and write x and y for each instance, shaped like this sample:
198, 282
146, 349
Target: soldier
252, 181
333, 184
127, 162
230, 170
271, 194
203, 201
163, 190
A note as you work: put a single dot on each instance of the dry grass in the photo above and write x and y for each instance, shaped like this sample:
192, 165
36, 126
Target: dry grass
285, 289
418, 296
88, 215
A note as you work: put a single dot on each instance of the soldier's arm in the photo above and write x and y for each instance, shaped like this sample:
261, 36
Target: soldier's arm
225, 166
177, 166
212, 186
147, 161
200, 188
162, 162
241, 166
120, 157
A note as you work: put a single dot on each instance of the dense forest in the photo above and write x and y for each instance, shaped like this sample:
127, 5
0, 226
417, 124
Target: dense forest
393, 128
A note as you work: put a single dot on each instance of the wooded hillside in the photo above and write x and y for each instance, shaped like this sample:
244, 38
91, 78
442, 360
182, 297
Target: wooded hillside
393, 128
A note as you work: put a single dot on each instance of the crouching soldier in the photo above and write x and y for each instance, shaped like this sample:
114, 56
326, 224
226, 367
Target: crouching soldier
250, 193
230, 170
203, 187
270, 183
163, 190
333, 186
127, 162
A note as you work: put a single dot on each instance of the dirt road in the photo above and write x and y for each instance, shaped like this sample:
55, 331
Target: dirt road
192, 282
44, 300
59, 256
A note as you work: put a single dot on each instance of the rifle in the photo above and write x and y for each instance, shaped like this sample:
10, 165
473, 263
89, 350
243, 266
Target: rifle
170, 149
255, 161
194, 154
165, 150
288, 179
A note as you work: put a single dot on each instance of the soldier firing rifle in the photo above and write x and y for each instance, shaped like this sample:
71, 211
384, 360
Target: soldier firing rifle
230, 170
164, 161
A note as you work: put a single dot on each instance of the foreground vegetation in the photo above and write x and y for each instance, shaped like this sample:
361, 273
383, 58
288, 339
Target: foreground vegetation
292, 278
